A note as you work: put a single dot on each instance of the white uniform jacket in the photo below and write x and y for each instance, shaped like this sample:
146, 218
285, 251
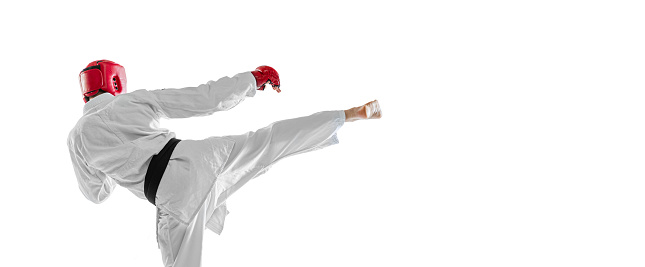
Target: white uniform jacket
117, 136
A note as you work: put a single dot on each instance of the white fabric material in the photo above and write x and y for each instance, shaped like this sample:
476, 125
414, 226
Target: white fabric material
253, 154
181, 244
116, 137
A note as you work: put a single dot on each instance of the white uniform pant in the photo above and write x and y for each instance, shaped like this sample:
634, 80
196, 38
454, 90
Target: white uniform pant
252, 155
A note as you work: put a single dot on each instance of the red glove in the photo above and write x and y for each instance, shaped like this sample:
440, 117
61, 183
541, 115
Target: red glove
264, 74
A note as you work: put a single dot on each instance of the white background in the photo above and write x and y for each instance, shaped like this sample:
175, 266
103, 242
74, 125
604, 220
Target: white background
512, 132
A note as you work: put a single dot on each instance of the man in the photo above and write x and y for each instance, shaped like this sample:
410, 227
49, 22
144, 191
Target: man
118, 141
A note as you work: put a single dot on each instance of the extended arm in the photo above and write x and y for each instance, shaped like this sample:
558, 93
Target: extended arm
213, 96
207, 98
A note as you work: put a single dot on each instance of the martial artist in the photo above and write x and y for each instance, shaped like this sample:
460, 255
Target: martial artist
118, 140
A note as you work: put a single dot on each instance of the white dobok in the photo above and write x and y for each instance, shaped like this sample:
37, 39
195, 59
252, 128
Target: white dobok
115, 139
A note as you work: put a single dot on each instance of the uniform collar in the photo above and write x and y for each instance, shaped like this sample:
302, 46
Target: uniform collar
96, 101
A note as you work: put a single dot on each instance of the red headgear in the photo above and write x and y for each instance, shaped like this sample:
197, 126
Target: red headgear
102, 75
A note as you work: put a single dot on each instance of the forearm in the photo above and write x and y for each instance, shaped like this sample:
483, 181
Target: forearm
223, 94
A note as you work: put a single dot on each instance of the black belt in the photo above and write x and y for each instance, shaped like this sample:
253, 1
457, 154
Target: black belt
156, 169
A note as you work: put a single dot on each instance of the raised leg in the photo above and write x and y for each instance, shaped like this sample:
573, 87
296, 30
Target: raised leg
255, 152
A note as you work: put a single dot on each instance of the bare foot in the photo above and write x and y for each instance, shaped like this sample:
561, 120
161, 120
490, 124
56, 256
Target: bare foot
371, 110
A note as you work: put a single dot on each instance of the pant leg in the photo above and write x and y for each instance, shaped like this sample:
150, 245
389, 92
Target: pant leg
181, 244
254, 152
